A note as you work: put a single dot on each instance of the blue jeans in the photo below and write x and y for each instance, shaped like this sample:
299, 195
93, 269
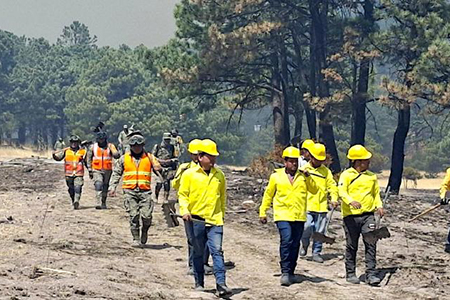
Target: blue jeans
210, 236
315, 223
188, 228
290, 235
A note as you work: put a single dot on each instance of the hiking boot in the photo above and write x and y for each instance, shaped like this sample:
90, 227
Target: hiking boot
144, 237
199, 288
223, 290
285, 279
76, 205
447, 248
303, 251
190, 271
353, 279
317, 258
373, 280
295, 278
136, 244
208, 270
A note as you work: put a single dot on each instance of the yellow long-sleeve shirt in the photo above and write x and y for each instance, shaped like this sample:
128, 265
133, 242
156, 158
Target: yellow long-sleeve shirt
361, 187
203, 195
445, 186
180, 171
289, 199
318, 202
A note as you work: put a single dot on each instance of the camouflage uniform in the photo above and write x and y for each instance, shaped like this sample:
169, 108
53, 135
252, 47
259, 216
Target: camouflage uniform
123, 141
59, 145
137, 203
165, 153
74, 182
100, 177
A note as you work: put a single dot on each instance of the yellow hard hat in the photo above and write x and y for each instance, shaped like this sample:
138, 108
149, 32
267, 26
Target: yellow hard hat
209, 147
358, 152
291, 152
307, 144
194, 145
318, 151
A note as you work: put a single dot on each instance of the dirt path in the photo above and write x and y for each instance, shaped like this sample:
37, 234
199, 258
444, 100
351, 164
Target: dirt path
90, 251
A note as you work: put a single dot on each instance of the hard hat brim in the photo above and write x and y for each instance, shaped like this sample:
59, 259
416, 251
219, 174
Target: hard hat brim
367, 156
211, 153
319, 157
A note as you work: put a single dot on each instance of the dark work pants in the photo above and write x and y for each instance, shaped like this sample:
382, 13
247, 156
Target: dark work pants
290, 236
188, 227
354, 226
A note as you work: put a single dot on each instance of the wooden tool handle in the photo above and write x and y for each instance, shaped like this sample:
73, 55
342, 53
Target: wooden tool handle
425, 212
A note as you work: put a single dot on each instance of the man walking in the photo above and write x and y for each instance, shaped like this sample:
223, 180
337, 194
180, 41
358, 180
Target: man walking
202, 198
136, 167
445, 198
360, 194
165, 153
74, 163
287, 189
100, 164
317, 203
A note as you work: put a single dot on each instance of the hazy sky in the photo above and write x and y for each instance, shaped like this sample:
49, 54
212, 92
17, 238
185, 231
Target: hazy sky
114, 22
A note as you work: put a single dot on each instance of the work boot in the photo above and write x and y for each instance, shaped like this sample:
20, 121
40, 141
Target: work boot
303, 251
223, 290
447, 248
351, 278
144, 236
76, 205
208, 270
199, 287
136, 244
103, 205
285, 279
373, 280
317, 258
136, 240
295, 278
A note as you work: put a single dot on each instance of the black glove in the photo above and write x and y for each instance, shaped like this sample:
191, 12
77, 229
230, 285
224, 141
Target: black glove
445, 201
91, 174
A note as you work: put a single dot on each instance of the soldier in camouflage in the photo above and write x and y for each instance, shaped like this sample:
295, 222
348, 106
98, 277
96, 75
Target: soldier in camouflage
123, 140
100, 164
165, 153
59, 144
136, 167
74, 163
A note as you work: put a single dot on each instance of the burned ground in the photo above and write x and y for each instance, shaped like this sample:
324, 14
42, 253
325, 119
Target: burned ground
49, 250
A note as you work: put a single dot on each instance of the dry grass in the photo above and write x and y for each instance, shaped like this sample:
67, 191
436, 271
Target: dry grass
11, 152
263, 166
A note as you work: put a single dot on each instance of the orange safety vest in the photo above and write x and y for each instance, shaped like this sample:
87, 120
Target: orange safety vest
73, 162
139, 176
102, 159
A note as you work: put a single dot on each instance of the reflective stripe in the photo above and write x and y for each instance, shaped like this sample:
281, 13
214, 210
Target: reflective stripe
73, 162
137, 177
102, 159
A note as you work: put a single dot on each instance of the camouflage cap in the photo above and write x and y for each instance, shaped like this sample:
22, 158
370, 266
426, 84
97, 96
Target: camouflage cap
74, 138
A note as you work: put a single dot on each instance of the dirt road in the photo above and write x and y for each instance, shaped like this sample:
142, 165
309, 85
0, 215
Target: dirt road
50, 251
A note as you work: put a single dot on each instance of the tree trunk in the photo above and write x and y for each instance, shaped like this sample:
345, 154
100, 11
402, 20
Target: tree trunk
319, 10
398, 149
278, 105
22, 135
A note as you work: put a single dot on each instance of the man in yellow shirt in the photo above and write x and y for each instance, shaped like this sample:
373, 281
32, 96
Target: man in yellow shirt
317, 204
360, 194
287, 189
193, 152
445, 198
202, 198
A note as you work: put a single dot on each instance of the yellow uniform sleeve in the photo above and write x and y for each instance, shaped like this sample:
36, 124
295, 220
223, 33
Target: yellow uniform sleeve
445, 186
269, 193
343, 190
311, 185
223, 194
332, 187
183, 194
376, 195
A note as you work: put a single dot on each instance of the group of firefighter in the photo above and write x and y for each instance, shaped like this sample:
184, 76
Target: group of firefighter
301, 195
